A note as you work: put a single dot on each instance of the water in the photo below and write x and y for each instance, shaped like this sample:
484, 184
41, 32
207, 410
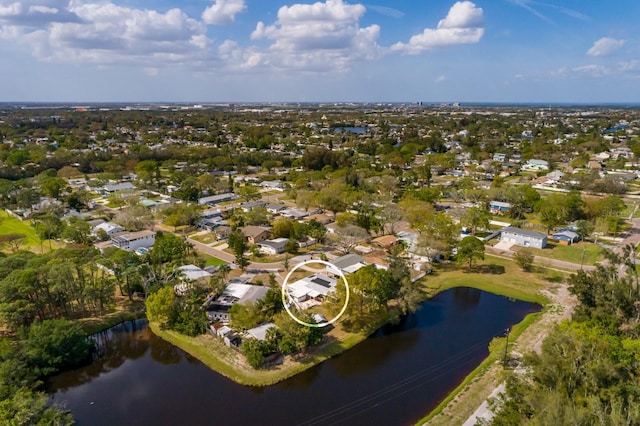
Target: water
395, 377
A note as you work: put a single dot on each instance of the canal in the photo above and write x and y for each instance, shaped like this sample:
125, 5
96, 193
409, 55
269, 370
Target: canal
395, 377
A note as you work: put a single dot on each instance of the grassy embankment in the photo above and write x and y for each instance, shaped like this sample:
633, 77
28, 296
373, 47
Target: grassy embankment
12, 225
217, 356
220, 358
499, 276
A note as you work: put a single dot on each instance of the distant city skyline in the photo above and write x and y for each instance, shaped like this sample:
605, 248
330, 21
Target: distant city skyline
498, 51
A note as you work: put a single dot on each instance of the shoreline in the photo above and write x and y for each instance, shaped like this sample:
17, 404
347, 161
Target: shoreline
228, 362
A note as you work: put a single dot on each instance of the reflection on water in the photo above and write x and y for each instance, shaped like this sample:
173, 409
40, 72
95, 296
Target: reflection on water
394, 377
466, 297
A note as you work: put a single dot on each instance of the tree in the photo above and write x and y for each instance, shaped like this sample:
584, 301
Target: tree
168, 248
475, 218
524, 259
53, 187
238, 244
469, 249
160, 305
332, 198
253, 349
249, 192
390, 215
551, 215
148, 171
349, 236
14, 241
55, 344
584, 228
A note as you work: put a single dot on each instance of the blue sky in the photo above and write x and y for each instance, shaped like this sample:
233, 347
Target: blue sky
331, 50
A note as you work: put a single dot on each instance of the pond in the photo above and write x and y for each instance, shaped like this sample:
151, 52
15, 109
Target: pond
395, 377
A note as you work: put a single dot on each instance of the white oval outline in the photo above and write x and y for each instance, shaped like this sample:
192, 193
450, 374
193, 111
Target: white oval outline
286, 280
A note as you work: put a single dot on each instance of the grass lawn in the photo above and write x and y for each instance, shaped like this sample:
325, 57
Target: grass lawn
495, 275
205, 238
572, 253
211, 260
11, 225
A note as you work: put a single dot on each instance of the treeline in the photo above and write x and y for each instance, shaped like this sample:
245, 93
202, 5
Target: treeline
588, 372
36, 352
63, 283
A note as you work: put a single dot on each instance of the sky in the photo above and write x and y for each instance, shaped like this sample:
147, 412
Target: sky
520, 51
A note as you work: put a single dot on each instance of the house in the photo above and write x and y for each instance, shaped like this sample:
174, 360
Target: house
386, 241
566, 237
222, 232
499, 207
109, 189
255, 234
275, 208
314, 287
245, 294
346, 264
250, 205
535, 165
193, 273
594, 165
377, 258
523, 237
276, 185
109, 228
134, 240
499, 157
295, 214
216, 199
260, 332
275, 246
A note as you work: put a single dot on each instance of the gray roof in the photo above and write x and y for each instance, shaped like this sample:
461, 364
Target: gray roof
122, 186
567, 233
523, 232
260, 332
347, 260
213, 199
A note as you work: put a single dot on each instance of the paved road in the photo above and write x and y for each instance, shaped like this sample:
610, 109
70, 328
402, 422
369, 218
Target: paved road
545, 261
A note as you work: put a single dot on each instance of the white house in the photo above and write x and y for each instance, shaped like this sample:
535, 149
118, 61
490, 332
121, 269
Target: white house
535, 165
275, 246
524, 237
109, 227
316, 286
134, 240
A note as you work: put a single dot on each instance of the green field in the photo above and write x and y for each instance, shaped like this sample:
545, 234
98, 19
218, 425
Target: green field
572, 253
495, 275
11, 225
211, 260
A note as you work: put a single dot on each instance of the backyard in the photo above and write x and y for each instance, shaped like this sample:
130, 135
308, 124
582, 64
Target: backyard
574, 253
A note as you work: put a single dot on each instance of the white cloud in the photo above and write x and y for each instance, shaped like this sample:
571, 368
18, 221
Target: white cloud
462, 25
441, 79
605, 46
35, 13
106, 34
223, 11
319, 36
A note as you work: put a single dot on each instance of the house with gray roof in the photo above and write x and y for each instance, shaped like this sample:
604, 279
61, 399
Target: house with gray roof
523, 237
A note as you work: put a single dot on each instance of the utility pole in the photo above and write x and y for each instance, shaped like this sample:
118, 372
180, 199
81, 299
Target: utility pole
506, 346
582, 260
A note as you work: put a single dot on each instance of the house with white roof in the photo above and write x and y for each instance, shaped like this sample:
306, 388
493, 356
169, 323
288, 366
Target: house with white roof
316, 287
109, 228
